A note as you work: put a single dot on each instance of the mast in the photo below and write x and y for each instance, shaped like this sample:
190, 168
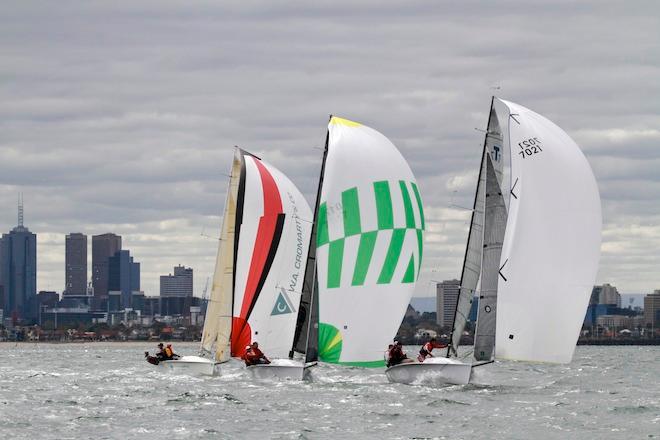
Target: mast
464, 300
308, 308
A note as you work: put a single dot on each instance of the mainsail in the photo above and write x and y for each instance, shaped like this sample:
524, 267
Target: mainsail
369, 244
261, 259
495, 224
472, 261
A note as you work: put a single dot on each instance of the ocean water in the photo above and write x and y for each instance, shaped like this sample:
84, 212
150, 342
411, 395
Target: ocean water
108, 391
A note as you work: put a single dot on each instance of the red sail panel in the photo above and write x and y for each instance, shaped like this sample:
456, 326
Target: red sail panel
241, 336
265, 246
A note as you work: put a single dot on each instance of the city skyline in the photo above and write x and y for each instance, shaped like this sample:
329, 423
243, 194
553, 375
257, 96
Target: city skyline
111, 244
129, 128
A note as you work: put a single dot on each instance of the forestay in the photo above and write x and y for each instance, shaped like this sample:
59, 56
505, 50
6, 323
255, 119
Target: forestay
552, 243
369, 244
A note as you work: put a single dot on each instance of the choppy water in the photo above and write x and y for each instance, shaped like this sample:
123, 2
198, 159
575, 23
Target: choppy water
108, 391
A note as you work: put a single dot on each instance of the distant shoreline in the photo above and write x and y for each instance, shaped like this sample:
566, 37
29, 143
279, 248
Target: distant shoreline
147, 344
640, 342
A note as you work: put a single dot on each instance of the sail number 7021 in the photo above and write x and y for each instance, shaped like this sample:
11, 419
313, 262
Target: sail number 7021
529, 147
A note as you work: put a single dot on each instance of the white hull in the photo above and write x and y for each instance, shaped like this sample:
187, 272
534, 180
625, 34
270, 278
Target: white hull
280, 369
435, 370
193, 365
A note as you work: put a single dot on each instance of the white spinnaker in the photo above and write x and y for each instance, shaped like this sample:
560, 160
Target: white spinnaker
273, 313
552, 242
369, 238
217, 324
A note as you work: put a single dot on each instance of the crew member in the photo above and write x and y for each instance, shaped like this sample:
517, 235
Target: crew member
161, 355
169, 352
246, 357
386, 355
255, 356
397, 356
427, 348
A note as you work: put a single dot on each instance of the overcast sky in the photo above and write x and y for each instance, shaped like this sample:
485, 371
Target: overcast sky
121, 116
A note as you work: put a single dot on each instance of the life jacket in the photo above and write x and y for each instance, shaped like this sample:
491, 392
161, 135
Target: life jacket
396, 355
257, 353
168, 352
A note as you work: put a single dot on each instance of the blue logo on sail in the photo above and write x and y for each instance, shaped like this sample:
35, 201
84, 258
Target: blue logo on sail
282, 305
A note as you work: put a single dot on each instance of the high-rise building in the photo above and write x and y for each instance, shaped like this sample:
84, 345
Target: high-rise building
104, 246
18, 270
652, 309
176, 292
123, 276
447, 296
179, 284
75, 264
605, 294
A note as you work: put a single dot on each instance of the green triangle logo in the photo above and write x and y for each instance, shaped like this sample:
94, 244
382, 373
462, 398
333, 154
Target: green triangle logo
282, 306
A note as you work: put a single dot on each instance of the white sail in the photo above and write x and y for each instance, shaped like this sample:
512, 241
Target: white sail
217, 324
272, 233
369, 244
551, 247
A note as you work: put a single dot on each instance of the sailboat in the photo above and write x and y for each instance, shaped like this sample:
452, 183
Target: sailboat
365, 250
258, 275
533, 249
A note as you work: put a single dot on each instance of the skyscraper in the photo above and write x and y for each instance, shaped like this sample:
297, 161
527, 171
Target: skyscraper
605, 294
179, 284
104, 246
176, 291
123, 276
18, 270
652, 309
76, 264
447, 296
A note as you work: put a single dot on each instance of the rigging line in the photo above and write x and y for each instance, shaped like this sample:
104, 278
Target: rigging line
454, 205
513, 116
461, 207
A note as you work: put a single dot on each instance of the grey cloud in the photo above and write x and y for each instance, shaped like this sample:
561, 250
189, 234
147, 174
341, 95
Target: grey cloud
122, 116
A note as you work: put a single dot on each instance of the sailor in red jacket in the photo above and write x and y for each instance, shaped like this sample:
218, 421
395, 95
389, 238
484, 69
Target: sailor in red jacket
255, 356
428, 348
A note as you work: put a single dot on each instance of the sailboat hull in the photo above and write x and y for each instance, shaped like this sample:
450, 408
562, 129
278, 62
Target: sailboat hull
435, 370
280, 369
192, 365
